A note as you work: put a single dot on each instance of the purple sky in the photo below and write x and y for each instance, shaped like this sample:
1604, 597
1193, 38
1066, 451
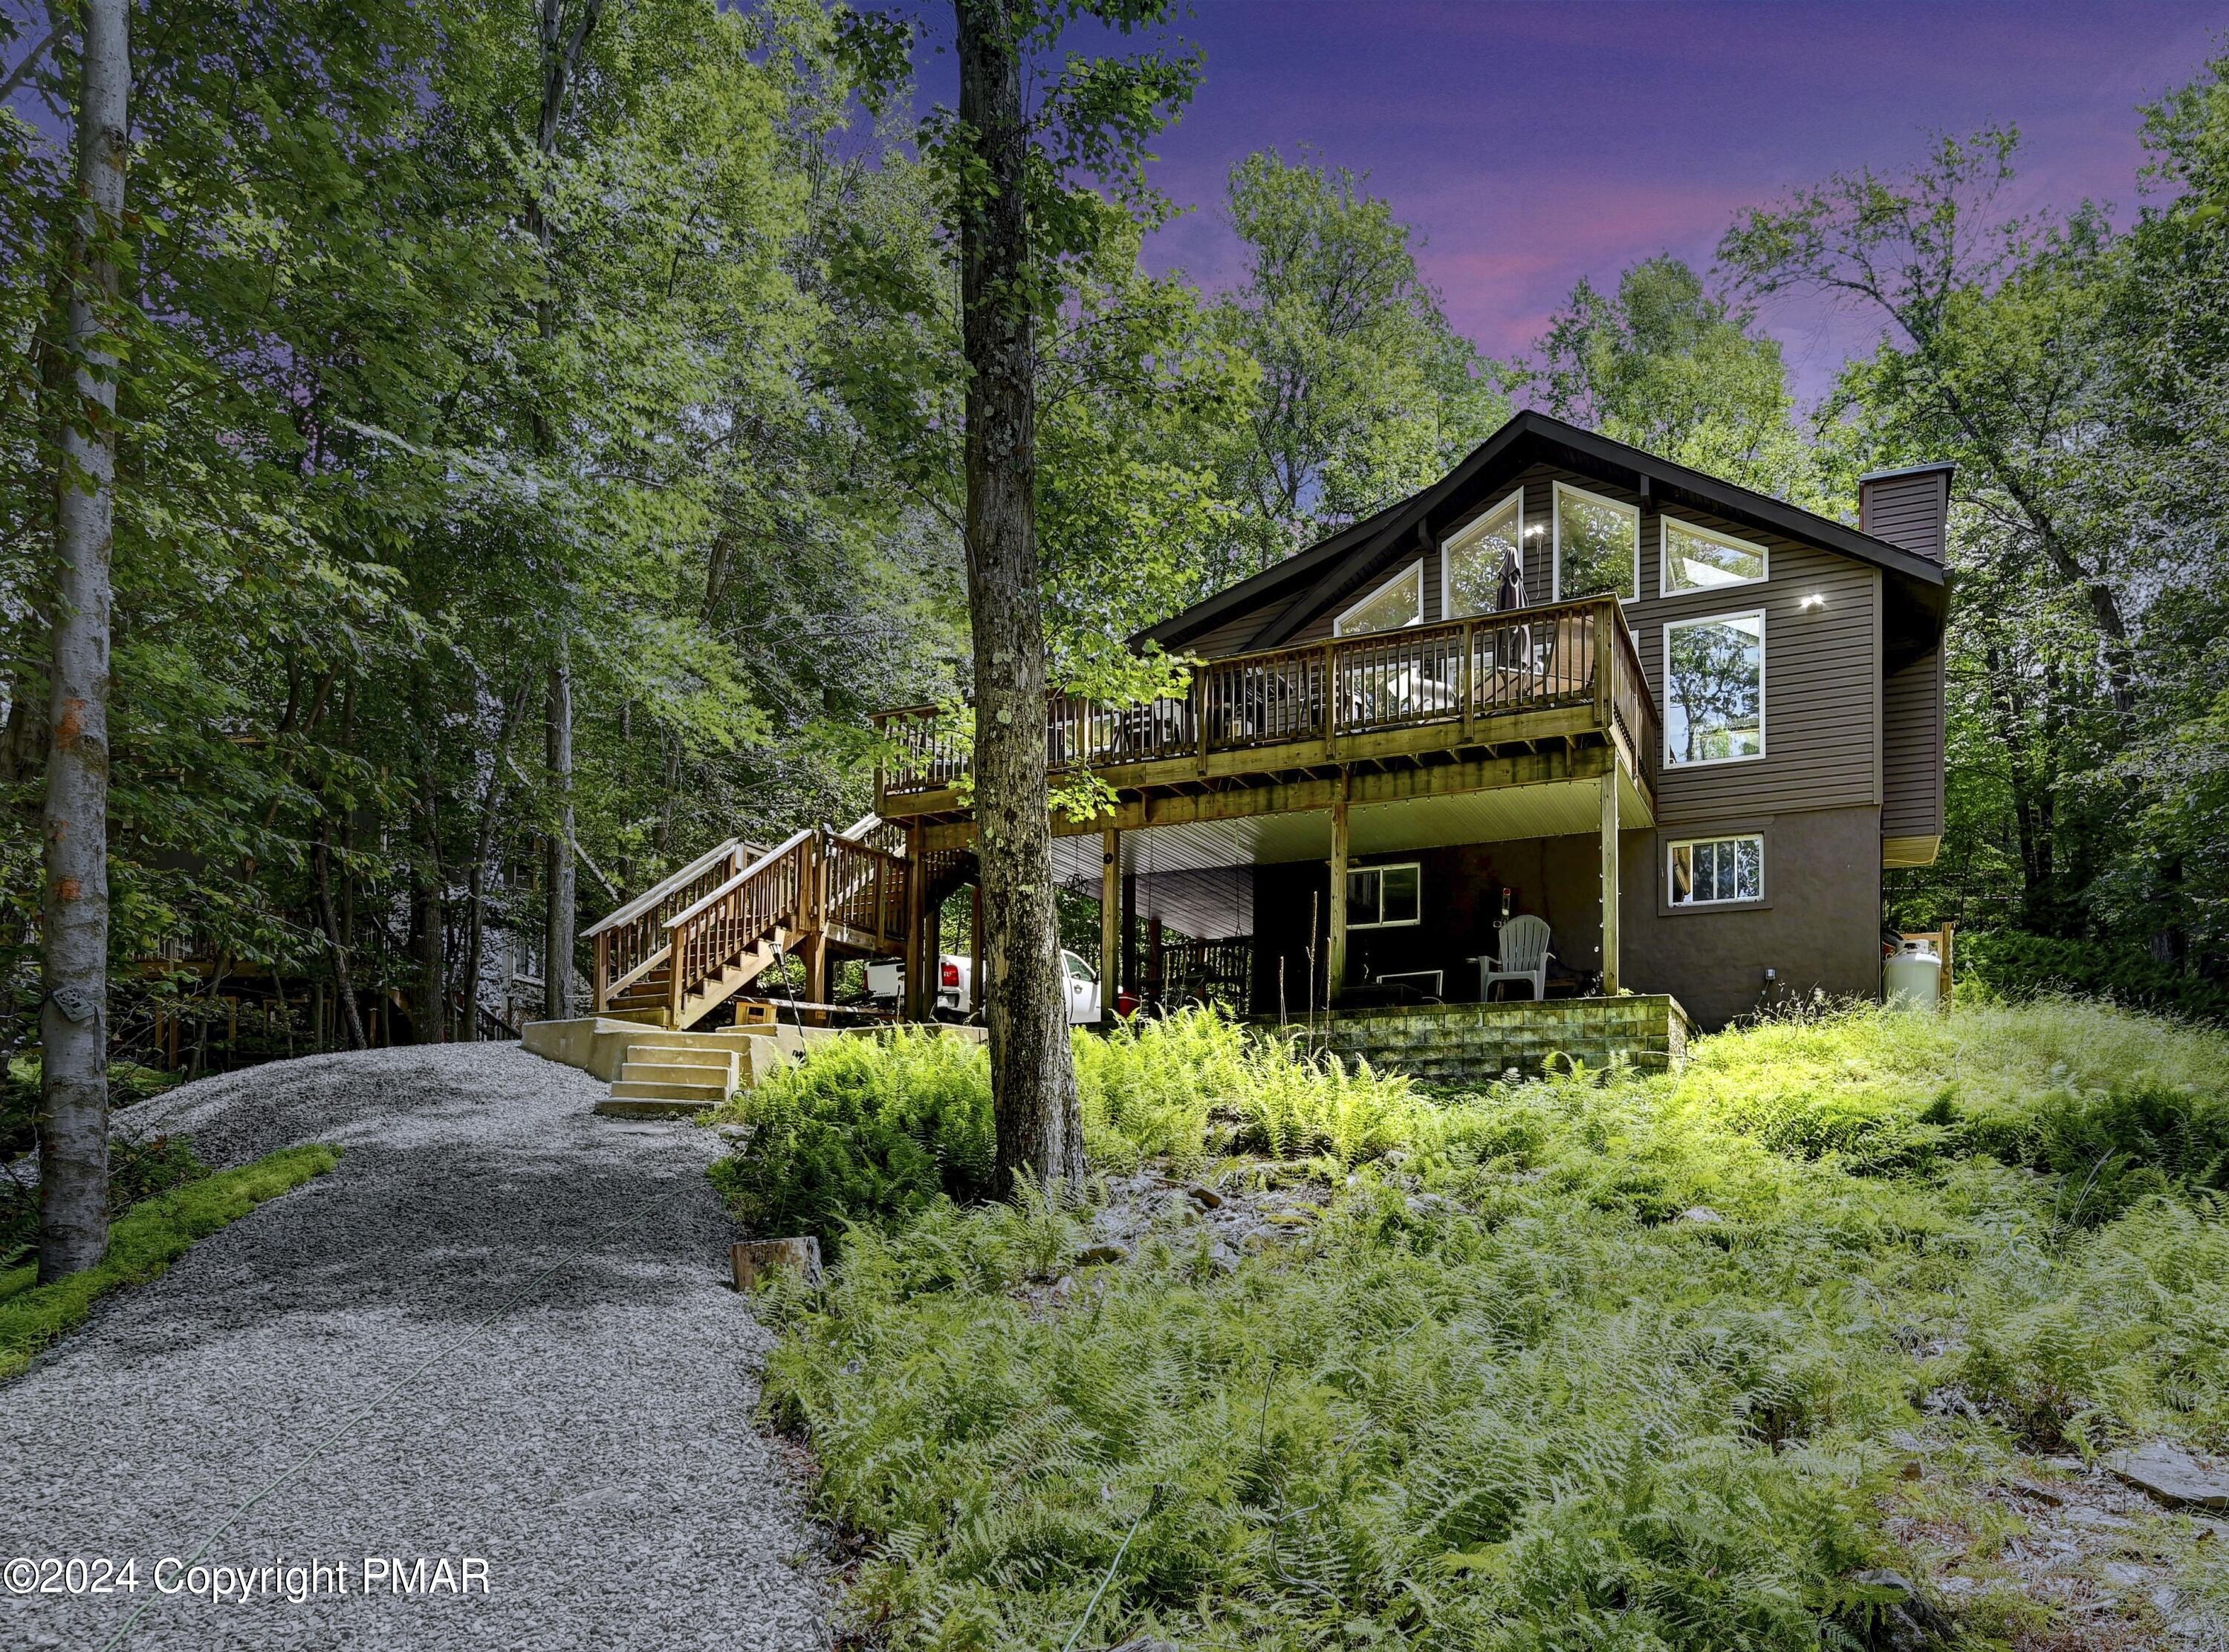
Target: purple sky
1534, 143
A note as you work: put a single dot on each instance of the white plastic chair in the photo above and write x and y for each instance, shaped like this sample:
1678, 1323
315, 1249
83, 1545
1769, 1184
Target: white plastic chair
1525, 957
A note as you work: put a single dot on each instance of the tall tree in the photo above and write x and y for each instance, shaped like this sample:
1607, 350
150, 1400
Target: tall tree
1033, 1074
1366, 393
563, 41
74, 1020
1670, 366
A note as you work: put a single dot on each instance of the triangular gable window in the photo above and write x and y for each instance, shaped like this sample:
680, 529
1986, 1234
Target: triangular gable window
1398, 602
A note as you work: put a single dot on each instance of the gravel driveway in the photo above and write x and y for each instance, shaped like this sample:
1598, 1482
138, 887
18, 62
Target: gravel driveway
592, 1445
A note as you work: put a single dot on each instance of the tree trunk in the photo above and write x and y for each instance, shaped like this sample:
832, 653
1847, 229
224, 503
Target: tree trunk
557, 969
1032, 1072
561, 65
476, 885
74, 1019
344, 987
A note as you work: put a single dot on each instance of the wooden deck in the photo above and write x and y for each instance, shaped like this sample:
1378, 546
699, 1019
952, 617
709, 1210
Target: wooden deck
1555, 692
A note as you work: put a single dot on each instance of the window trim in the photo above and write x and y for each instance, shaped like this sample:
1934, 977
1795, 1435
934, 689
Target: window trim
1516, 496
1416, 867
1414, 571
1556, 537
1722, 835
1664, 525
1763, 746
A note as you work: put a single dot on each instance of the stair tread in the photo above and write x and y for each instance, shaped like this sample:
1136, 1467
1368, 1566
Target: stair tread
640, 1090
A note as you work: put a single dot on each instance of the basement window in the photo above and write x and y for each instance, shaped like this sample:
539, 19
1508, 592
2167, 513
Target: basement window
1384, 897
1597, 545
1398, 602
1717, 871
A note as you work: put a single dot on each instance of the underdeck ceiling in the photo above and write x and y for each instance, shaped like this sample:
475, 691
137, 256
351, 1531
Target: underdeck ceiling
1170, 862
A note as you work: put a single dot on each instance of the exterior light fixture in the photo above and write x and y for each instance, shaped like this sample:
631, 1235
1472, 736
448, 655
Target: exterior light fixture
1815, 600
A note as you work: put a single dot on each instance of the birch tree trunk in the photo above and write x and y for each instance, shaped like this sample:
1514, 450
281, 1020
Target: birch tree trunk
74, 1016
1032, 1072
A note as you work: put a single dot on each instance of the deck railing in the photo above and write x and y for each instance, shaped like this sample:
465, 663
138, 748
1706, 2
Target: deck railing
863, 889
1460, 675
773, 893
632, 941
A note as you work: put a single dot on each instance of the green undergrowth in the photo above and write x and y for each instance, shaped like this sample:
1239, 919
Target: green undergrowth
141, 1242
1599, 1361
879, 1129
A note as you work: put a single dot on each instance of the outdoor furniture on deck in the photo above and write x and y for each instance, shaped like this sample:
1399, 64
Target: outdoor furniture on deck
1524, 956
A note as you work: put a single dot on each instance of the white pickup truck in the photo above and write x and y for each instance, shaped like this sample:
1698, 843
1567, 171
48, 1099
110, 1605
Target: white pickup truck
955, 987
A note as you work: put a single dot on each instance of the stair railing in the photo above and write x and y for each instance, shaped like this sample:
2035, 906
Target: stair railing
778, 891
863, 889
632, 941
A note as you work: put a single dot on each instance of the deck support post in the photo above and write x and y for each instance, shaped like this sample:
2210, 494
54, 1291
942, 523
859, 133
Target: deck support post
1130, 931
815, 948
911, 998
975, 949
1335, 947
1110, 926
1610, 882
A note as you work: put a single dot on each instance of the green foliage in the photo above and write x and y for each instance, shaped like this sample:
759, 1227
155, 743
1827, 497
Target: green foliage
142, 1244
863, 1129
1667, 366
876, 1130
2021, 966
1514, 1389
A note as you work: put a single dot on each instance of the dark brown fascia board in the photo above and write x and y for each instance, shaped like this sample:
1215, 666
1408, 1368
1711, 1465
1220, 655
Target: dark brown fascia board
1339, 559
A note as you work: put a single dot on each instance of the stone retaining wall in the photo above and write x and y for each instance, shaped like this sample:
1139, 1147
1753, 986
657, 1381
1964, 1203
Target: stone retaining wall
1475, 1043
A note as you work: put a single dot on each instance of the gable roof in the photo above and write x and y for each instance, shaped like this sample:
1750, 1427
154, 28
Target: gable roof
1294, 590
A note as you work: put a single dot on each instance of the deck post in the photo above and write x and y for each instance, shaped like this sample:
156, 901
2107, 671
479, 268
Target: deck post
603, 1000
1609, 879
975, 946
1129, 932
917, 969
1110, 925
1335, 947
815, 948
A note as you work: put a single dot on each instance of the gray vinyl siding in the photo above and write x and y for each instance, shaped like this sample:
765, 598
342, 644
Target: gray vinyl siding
1911, 749
1906, 510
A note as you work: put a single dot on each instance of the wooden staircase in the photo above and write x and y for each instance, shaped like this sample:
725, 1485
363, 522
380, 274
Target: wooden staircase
693, 941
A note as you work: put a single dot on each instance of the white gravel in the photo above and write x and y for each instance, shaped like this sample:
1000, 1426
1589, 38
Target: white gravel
594, 1446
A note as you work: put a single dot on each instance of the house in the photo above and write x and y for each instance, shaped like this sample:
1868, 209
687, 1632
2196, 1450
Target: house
1687, 724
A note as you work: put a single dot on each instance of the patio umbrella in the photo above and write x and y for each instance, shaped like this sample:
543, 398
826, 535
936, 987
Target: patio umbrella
1509, 589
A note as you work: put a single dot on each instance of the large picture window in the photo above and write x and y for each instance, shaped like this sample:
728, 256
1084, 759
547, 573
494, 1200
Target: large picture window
1597, 545
1482, 566
1700, 559
1382, 896
1398, 602
1714, 689
1717, 871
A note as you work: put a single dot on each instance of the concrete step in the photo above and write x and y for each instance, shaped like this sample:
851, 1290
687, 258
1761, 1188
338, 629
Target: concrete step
632, 1107
708, 1095
675, 1066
